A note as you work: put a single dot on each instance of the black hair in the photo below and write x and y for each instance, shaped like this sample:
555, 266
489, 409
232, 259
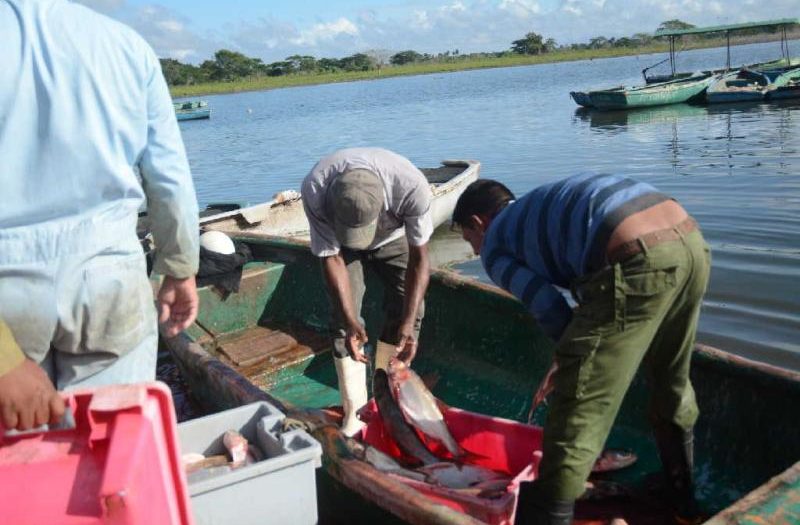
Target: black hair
482, 197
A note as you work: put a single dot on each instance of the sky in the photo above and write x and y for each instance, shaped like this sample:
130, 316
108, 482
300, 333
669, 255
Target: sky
192, 30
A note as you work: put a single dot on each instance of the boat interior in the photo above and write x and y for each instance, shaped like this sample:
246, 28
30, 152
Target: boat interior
480, 351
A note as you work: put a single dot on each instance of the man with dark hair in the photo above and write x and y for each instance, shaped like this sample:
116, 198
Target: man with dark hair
637, 266
369, 208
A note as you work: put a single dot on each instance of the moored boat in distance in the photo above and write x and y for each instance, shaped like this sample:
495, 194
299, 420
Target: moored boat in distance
790, 90
284, 215
785, 84
479, 350
676, 86
672, 92
738, 86
192, 109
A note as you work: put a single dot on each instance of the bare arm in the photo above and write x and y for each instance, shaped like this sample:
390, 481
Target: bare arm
338, 283
417, 277
27, 397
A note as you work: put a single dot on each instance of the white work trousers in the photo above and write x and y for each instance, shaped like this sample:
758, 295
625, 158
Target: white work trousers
77, 299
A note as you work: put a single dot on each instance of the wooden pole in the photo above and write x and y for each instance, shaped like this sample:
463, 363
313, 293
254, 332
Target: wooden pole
728, 39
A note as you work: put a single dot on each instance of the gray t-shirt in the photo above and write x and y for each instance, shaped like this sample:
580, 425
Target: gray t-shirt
407, 198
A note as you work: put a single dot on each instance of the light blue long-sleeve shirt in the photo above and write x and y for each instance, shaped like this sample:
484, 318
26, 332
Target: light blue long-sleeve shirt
88, 133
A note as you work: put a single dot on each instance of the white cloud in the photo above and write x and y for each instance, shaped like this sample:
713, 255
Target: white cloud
420, 20
170, 25
520, 8
455, 7
328, 31
572, 7
433, 26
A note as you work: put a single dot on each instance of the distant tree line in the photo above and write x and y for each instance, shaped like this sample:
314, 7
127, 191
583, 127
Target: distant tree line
228, 66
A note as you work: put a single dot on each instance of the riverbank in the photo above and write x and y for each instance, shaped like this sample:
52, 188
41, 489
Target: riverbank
426, 68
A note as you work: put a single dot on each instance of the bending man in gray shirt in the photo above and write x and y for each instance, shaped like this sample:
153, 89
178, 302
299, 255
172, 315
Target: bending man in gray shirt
369, 208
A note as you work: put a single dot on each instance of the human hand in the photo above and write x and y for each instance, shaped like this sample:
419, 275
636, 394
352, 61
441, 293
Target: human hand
406, 343
177, 304
355, 339
28, 398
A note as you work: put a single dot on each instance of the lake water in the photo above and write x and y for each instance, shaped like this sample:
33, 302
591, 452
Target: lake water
735, 168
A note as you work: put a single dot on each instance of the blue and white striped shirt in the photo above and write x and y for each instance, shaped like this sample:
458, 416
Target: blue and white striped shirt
557, 233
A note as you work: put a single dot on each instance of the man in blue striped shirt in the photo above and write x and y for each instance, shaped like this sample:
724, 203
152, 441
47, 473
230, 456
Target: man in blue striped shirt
637, 267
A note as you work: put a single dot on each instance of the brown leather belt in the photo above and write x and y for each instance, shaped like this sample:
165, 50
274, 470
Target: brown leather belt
628, 249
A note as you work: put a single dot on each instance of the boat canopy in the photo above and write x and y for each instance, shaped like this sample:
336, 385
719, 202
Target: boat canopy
728, 27
673, 34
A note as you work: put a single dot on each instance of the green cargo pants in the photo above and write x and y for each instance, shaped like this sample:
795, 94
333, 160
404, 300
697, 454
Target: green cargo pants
642, 309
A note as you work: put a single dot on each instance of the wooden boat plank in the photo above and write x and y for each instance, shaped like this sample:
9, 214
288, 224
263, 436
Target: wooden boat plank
257, 345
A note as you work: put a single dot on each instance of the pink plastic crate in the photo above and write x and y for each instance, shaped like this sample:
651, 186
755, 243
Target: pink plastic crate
119, 465
499, 444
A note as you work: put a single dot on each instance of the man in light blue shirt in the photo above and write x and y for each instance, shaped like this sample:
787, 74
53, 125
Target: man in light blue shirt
87, 135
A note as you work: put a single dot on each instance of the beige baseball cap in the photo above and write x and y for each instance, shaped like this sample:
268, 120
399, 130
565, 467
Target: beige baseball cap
354, 201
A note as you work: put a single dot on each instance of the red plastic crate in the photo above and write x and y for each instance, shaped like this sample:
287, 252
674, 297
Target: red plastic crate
499, 444
119, 465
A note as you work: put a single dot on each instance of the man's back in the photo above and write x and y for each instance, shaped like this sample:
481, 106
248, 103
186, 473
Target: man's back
78, 96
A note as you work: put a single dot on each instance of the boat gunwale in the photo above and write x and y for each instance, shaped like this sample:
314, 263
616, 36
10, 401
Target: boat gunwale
472, 167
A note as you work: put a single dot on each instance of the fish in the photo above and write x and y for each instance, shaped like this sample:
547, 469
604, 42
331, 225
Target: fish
467, 479
236, 445
545, 388
396, 425
419, 406
614, 459
193, 462
454, 476
381, 461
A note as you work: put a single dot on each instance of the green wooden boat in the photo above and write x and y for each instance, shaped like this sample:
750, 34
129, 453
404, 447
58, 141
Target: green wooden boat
482, 352
659, 94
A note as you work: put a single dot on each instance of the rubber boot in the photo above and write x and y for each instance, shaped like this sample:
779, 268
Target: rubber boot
533, 512
352, 377
676, 449
384, 352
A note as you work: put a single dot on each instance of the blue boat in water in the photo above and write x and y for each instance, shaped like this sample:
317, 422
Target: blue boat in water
191, 110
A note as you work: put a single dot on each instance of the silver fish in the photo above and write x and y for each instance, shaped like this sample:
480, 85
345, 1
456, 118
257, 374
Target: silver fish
396, 425
455, 476
419, 406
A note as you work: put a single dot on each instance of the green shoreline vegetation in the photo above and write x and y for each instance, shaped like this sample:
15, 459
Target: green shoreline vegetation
232, 72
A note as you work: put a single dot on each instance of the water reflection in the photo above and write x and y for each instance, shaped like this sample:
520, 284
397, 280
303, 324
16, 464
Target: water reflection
619, 120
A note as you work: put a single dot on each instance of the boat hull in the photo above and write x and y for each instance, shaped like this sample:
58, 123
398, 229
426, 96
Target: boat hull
193, 114
482, 352
787, 92
673, 92
738, 86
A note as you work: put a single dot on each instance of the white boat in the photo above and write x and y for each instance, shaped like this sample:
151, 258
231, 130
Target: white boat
284, 216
